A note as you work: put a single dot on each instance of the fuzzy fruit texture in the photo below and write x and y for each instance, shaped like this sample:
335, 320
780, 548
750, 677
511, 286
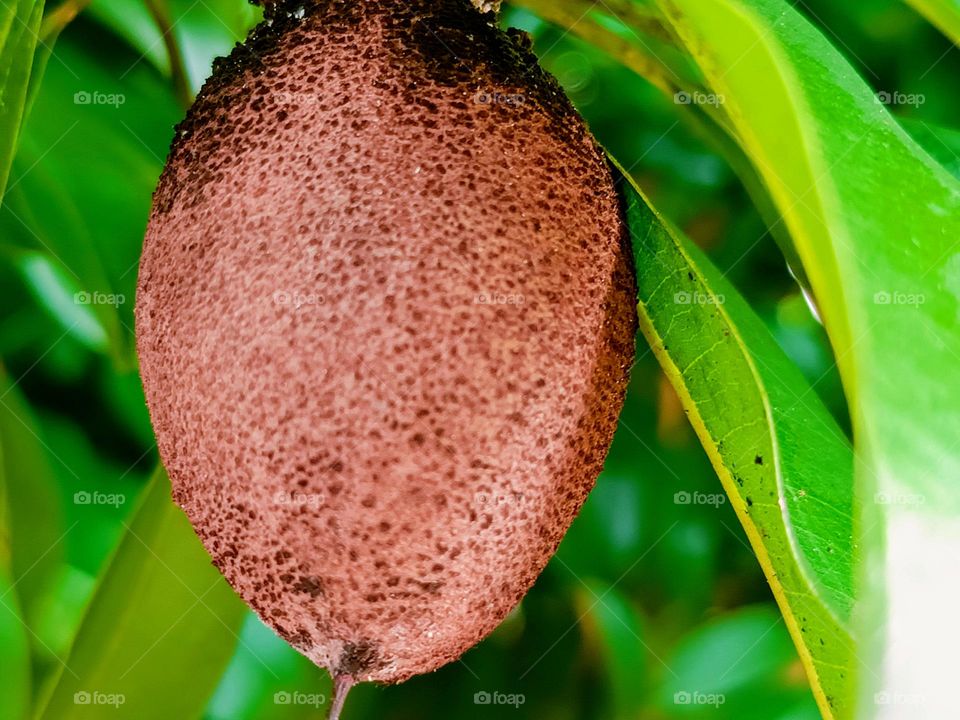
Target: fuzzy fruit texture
385, 320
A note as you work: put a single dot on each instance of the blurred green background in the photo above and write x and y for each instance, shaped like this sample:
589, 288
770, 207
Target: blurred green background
654, 604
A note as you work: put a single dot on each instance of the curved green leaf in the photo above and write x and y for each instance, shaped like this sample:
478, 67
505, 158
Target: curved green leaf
634, 34
200, 31
56, 291
19, 25
941, 142
160, 629
92, 149
15, 680
637, 38
945, 14
613, 627
736, 667
785, 465
36, 524
875, 220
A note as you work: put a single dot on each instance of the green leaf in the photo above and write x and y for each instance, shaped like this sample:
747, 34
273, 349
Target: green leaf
202, 31
160, 629
36, 524
54, 251
56, 291
785, 465
875, 220
945, 14
613, 627
634, 34
15, 680
92, 148
19, 25
737, 667
942, 143
642, 40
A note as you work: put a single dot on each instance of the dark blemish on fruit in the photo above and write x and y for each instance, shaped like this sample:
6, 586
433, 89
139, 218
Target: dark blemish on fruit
309, 584
356, 658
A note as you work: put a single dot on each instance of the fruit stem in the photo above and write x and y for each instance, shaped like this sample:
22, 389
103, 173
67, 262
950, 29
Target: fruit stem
341, 686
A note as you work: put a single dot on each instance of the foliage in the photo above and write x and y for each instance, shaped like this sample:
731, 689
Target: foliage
780, 162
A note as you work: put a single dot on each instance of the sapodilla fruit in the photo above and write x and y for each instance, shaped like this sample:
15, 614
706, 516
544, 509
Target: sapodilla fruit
385, 319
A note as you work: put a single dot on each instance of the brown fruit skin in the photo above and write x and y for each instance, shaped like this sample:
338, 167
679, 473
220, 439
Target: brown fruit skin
385, 319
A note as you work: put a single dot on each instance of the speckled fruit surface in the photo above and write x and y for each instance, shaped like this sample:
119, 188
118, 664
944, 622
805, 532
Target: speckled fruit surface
385, 319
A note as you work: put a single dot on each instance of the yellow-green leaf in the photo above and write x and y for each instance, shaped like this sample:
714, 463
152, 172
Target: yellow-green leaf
19, 25
945, 14
160, 629
875, 220
783, 461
